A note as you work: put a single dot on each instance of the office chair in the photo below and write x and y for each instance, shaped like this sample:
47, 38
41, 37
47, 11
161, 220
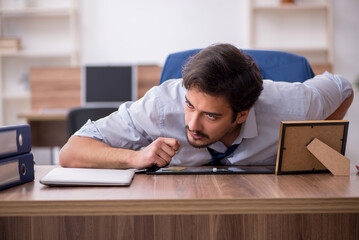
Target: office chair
77, 117
274, 65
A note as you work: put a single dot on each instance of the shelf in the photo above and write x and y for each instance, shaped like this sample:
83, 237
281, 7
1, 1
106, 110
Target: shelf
303, 28
294, 49
48, 34
33, 54
23, 12
16, 96
291, 6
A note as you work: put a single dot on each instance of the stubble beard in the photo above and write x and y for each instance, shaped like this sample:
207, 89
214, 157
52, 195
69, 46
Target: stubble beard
187, 130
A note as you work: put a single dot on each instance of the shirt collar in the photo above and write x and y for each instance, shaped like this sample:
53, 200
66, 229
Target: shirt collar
248, 130
249, 127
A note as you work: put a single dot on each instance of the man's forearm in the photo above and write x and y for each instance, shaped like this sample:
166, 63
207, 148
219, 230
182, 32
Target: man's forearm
85, 152
340, 112
90, 153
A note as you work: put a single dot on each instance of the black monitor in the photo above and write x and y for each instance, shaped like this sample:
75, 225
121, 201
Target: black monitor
109, 86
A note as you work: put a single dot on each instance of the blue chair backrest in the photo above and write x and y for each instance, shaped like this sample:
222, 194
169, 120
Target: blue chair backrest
274, 65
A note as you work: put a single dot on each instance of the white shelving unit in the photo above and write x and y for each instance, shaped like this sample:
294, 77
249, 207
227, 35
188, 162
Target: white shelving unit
303, 27
49, 37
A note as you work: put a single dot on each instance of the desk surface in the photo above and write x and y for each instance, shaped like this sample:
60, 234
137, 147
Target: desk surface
188, 194
48, 126
45, 115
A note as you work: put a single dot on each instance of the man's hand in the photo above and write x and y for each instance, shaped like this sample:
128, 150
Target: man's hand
159, 152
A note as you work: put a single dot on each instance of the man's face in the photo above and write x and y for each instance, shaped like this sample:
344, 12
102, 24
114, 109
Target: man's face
209, 119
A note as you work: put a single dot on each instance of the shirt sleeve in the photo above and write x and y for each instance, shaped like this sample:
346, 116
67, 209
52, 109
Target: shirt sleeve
327, 93
90, 130
133, 126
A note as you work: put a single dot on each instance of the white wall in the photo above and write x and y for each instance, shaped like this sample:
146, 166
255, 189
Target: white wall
346, 62
346, 37
146, 31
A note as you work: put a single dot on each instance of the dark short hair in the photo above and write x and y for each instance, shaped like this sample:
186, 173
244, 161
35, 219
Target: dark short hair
224, 70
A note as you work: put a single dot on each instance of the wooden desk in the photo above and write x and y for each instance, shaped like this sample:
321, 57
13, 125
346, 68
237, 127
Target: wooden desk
48, 127
317, 206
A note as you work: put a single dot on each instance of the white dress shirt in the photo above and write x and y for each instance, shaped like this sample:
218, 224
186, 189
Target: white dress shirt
160, 113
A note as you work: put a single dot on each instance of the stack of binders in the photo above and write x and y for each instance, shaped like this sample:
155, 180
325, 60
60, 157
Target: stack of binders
16, 160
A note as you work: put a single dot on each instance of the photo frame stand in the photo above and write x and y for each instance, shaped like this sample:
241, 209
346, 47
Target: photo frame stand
335, 162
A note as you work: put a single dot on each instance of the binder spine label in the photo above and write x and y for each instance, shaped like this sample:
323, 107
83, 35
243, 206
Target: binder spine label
8, 142
9, 172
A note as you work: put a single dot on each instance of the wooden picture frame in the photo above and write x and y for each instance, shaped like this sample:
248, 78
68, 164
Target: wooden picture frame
293, 156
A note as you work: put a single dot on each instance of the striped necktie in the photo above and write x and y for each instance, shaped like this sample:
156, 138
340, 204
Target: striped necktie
218, 156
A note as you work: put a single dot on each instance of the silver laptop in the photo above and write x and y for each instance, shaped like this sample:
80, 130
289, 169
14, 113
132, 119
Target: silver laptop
87, 177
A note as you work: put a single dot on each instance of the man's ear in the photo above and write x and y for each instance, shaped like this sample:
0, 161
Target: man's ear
242, 116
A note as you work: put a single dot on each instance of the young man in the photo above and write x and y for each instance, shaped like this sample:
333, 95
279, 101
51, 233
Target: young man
222, 105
